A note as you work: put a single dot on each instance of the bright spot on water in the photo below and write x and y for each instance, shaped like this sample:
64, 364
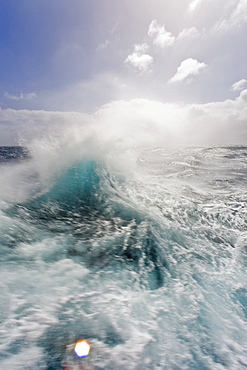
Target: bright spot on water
82, 348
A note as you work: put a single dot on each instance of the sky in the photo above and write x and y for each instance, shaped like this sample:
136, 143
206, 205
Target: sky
67, 57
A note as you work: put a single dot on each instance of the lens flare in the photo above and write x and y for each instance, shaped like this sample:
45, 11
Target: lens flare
82, 348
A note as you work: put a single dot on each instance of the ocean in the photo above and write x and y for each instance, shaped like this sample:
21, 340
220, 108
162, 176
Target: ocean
143, 255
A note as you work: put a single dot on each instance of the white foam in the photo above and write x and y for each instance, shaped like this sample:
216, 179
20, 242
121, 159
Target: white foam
193, 318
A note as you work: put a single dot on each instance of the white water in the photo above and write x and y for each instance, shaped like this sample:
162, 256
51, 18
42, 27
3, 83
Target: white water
154, 278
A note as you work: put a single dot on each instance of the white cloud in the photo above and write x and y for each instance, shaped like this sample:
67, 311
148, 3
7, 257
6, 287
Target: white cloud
239, 85
191, 33
161, 37
239, 15
141, 48
140, 61
21, 96
187, 68
237, 18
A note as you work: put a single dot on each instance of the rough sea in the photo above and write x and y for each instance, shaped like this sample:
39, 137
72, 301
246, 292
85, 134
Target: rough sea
145, 256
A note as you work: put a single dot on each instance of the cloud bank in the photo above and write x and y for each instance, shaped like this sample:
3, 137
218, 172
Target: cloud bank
135, 123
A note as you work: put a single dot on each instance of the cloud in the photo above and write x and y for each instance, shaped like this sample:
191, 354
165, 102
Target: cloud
239, 85
141, 48
21, 96
237, 18
187, 68
239, 15
140, 61
191, 33
161, 37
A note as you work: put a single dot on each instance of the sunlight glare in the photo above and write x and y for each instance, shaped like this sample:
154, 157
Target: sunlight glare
82, 348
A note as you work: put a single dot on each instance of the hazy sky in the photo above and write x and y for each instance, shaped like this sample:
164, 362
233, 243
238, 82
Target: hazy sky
78, 55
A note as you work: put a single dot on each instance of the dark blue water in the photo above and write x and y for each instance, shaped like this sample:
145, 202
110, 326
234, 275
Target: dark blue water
149, 266
12, 153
